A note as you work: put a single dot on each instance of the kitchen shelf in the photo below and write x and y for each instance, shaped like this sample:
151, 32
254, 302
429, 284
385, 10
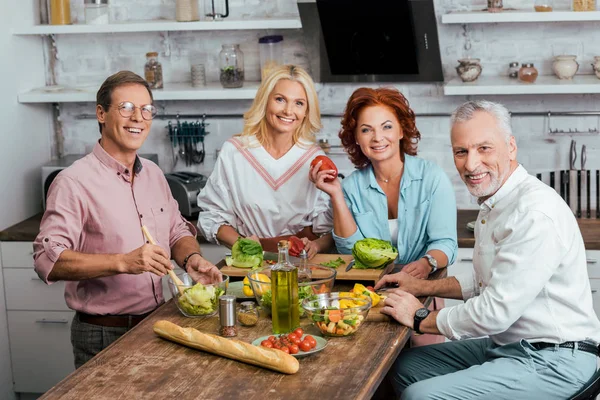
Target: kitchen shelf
545, 84
173, 91
160, 26
479, 17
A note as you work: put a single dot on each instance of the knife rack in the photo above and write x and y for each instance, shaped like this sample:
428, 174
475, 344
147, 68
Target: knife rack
187, 141
579, 188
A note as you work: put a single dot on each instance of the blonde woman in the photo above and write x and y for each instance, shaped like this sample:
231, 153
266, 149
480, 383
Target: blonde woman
259, 187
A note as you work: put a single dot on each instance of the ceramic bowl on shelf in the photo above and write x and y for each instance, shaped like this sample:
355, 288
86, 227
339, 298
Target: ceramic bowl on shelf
565, 66
469, 69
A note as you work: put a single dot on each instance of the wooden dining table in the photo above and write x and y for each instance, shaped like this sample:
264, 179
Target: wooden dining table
141, 365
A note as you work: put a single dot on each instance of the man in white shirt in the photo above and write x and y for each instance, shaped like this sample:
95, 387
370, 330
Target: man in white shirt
529, 291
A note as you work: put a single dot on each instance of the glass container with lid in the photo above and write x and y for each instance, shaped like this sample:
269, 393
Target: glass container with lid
96, 12
584, 5
271, 53
513, 70
60, 12
543, 5
231, 66
153, 71
186, 10
528, 73
248, 314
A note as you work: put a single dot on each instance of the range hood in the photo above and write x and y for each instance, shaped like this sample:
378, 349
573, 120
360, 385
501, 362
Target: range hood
371, 40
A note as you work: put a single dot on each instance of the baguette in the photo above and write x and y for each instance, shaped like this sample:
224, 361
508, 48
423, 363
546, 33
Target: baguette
231, 348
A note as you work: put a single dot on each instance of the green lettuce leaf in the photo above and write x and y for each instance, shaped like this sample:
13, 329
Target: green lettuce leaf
373, 253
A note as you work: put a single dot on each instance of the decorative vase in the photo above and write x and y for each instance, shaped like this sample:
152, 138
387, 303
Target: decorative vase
468, 69
565, 66
596, 66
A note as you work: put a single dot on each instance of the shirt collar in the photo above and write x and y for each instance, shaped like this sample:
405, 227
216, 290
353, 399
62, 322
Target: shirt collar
518, 176
110, 162
410, 174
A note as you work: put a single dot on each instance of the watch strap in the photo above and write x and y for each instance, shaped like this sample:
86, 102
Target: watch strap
417, 320
185, 260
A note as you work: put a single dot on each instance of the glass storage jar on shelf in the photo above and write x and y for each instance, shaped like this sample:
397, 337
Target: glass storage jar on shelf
543, 5
96, 12
584, 5
231, 66
153, 71
494, 5
528, 73
60, 12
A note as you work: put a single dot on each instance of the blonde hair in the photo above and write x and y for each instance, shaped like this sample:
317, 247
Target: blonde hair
255, 123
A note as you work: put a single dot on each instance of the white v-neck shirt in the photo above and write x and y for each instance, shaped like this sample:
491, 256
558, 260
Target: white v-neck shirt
393, 223
259, 195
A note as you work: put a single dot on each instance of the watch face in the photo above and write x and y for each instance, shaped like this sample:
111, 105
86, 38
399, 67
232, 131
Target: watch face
422, 313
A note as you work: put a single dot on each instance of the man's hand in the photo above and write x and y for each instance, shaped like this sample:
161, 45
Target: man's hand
200, 270
148, 258
419, 269
401, 306
404, 281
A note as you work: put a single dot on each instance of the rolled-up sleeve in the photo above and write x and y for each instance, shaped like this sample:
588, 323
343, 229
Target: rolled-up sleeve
215, 202
60, 227
441, 226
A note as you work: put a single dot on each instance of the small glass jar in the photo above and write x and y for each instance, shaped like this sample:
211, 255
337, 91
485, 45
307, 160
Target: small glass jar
96, 12
60, 12
271, 53
186, 10
584, 5
248, 314
513, 70
528, 73
231, 66
543, 5
153, 71
494, 5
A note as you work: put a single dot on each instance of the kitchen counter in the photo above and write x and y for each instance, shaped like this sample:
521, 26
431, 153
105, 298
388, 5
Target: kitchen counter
27, 230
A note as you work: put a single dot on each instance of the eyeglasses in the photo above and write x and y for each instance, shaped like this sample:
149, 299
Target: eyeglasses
127, 108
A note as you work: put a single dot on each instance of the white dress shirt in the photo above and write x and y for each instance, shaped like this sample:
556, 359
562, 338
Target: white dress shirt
259, 195
530, 277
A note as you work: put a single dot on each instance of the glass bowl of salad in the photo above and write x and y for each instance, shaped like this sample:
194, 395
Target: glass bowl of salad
319, 280
197, 299
336, 315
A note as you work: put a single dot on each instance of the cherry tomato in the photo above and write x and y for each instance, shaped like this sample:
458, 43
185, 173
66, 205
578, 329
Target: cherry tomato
296, 340
292, 336
294, 349
305, 345
285, 349
311, 340
299, 332
271, 338
276, 345
371, 289
326, 165
266, 343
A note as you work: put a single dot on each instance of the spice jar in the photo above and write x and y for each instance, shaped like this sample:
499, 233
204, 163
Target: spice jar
153, 71
231, 64
248, 314
60, 12
271, 53
543, 5
513, 70
227, 316
96, 12
584, 5
528, 73
494, 5
186, 10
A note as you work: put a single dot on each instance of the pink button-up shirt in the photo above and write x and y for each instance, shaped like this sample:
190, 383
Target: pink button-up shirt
92, 208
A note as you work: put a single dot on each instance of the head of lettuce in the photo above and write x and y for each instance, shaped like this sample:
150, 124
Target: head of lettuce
200, 299
245, 253
373, 253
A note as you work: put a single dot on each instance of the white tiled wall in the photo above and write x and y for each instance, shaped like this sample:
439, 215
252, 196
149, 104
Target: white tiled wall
90, 58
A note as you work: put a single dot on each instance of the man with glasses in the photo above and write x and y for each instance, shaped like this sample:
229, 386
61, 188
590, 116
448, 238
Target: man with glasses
91, 233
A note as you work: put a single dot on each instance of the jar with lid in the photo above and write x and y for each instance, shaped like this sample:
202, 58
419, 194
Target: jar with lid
543, 5
186, 10
271, 53
248, 314
584, 5
153, 71
513, 70
96, 12
60, 12
528, 73
596, 66
227, 326
494, 5
231, 65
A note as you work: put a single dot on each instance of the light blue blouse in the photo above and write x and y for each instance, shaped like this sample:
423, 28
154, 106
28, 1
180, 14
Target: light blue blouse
426, 210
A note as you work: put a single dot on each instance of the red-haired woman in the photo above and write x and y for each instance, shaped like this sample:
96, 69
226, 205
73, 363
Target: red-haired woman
392, 195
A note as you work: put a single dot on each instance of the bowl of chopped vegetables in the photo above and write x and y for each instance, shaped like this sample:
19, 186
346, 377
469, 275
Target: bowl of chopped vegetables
196, 299
336, 315
321, 280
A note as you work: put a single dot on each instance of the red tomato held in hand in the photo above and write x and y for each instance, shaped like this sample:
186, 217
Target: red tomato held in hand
296, 246
327, 165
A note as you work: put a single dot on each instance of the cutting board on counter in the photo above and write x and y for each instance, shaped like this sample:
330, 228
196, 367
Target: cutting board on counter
352, 275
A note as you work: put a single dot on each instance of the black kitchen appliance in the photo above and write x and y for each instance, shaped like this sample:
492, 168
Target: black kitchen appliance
372, 40
185, 187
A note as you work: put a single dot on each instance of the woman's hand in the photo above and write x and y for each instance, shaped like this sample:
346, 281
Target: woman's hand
311, 247
332, 187
419, 269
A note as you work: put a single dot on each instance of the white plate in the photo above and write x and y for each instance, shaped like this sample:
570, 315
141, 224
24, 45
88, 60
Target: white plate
471, 226
321, 344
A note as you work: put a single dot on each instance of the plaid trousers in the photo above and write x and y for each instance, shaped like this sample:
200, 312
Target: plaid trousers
89, 340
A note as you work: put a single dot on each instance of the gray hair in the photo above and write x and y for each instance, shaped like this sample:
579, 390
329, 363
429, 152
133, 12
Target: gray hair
466, 111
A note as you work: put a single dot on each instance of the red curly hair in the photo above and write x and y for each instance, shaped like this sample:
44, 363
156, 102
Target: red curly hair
390, 98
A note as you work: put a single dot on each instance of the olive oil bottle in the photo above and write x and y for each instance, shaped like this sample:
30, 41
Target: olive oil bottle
284, 291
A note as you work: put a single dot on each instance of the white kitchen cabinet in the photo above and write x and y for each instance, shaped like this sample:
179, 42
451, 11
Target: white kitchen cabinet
40, 345
17, 254
24, 290
593, 263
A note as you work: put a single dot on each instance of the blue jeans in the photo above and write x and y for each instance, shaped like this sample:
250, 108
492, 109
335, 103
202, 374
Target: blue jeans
480, 369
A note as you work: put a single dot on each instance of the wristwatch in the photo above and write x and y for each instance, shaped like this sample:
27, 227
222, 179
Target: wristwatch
432, 263
420, 315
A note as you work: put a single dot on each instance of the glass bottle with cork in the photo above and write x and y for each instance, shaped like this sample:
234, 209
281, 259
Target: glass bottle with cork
153, 71
284, 291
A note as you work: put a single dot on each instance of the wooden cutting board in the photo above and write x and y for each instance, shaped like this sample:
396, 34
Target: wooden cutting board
352, 275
